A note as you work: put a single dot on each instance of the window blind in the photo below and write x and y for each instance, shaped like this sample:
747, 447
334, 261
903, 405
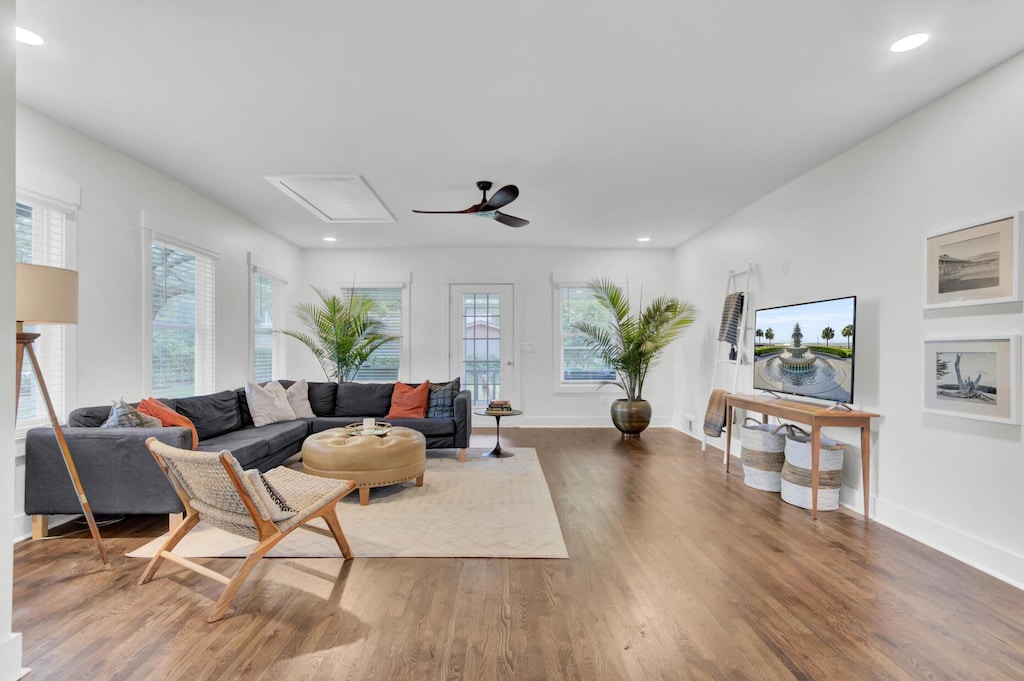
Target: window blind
268, 350
580, 364
383, 365
41, 238
183, 315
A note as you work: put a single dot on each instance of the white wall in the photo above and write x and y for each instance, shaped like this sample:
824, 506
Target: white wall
115, 192
857, 226
531, 270
10, 643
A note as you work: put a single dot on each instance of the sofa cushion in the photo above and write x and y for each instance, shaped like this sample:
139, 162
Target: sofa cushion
251, 445
168, 417
268, 403
213, 414
441, 404
123, 415
426, 426
363, 399
322, 397
298, 399
408, 402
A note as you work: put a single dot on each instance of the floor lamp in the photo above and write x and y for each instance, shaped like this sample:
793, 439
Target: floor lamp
49, 295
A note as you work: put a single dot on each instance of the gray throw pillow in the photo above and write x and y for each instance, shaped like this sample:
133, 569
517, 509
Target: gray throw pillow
124, 415
441, 403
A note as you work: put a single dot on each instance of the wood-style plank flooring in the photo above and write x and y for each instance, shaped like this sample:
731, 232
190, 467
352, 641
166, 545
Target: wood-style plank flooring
676, 571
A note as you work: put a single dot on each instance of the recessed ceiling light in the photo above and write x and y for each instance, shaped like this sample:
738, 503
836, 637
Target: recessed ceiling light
911, 42
23, 35
643, 239
330, 238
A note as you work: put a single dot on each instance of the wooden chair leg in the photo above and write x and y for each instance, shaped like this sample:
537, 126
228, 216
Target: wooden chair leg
239, 577
334, 525
179, 533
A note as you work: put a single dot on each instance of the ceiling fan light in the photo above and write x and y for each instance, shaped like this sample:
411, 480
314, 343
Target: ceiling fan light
911, 42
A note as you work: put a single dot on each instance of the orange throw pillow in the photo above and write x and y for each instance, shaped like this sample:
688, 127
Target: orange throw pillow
168, 416
408, 402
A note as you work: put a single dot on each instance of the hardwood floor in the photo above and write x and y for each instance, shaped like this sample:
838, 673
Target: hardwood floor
676, 571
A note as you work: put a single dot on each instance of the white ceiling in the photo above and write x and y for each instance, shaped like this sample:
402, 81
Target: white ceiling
615, 119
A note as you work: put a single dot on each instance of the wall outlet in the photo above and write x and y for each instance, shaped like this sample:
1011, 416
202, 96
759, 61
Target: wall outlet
688, 420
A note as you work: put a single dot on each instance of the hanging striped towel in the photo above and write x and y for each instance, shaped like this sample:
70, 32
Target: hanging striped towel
731, 312
714, 419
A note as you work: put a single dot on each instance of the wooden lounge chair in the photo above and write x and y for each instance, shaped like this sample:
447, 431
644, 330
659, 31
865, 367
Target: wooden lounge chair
214, 488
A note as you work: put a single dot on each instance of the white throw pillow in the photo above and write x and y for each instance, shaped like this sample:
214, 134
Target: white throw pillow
268, 404
298, 399
277, 508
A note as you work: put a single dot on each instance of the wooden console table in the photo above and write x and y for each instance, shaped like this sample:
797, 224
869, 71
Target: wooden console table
816, 417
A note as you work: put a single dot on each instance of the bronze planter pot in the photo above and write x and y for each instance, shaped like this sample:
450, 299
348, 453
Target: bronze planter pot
631, 418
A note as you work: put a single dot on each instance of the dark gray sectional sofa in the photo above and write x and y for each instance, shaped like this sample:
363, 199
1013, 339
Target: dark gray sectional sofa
119, 475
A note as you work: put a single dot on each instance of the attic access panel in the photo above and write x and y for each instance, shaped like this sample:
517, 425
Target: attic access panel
334, 198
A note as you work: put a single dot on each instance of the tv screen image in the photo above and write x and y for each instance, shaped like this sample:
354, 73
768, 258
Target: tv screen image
806, 349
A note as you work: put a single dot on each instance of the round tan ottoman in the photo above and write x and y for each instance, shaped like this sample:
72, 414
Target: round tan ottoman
369, 460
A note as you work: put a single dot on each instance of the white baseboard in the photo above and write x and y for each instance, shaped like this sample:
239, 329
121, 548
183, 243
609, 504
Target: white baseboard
569, 422
22, 524
994, 560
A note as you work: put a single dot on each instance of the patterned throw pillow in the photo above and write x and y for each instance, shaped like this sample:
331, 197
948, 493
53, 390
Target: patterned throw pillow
276, 506
124, 415
441, 403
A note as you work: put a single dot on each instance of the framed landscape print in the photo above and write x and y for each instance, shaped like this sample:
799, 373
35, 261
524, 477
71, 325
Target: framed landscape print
974, 378
974, 265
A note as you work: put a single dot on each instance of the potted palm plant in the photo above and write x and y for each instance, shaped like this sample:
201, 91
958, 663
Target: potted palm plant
631, 345
343, 333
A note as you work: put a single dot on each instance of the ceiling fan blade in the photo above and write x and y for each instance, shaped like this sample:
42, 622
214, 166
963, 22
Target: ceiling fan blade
471, 209
502, 197
510, 220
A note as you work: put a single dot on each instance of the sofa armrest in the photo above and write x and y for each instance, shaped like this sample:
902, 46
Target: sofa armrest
463, 418
118, 473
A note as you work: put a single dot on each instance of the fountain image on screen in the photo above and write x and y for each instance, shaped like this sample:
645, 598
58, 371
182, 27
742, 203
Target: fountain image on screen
806, 349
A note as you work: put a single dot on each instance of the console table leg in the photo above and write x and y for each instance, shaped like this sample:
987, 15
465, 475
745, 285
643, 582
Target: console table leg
865, 465
815, 461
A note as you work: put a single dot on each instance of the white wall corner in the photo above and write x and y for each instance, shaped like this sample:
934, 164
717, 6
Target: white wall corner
10, 659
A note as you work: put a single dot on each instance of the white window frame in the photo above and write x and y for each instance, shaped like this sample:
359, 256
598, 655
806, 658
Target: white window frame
278, 312
557, 359
404, 356
206, 306
59, 373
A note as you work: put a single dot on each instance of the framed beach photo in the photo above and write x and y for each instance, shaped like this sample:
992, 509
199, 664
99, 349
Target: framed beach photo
975, 265
974, 378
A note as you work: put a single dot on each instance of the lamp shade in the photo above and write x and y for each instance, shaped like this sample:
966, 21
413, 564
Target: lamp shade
45, 295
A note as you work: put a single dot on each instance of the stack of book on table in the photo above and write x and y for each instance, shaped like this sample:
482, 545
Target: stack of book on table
498, 406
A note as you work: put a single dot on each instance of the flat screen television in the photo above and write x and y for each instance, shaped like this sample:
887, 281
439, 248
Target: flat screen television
807, 349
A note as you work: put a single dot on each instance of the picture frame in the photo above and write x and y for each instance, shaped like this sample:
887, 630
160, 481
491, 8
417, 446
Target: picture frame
974, 378
975, 265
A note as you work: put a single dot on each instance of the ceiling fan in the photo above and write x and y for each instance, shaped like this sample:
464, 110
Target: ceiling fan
488, 208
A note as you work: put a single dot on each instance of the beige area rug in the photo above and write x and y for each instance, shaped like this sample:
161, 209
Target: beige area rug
483, 508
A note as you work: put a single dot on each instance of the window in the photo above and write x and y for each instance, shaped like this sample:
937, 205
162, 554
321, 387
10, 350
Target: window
43, 229
267, 349
181, 315
577, 364
384, 364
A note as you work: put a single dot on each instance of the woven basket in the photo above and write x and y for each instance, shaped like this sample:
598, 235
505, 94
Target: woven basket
763, 454
796, 472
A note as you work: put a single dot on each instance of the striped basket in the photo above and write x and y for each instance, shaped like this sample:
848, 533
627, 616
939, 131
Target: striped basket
796, 472
763, 454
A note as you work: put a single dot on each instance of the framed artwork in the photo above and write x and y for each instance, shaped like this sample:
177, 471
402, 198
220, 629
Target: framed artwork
975, 265
974, 378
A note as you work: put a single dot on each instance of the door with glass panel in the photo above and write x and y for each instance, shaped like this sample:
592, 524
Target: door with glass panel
481, 341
